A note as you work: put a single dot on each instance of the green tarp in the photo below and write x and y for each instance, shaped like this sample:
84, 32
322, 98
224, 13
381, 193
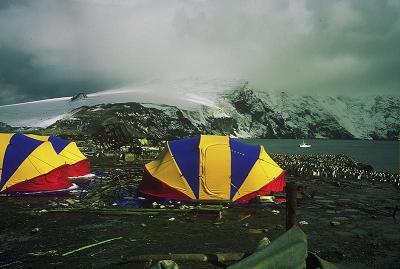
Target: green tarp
289, 251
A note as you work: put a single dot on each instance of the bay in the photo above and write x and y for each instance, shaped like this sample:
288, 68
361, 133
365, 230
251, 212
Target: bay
382, 155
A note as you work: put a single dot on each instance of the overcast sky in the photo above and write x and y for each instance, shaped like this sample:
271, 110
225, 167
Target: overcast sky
58, 48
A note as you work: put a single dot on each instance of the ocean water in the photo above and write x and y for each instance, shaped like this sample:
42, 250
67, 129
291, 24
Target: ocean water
382, 155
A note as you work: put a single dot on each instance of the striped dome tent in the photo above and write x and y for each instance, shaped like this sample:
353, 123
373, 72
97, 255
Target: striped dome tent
212, 168
77, 163
30, 165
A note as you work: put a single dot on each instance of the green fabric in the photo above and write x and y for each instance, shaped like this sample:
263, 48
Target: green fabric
288, 251
315, 262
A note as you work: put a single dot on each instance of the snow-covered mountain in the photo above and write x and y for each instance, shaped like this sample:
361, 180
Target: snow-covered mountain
186, 94
279, 114
217, 107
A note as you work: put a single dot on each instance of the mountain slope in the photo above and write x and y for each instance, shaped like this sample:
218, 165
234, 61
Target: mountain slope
216, 107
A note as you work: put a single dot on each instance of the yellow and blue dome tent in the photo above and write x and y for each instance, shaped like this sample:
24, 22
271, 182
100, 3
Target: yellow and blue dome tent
77, 163
209, 167
29, 165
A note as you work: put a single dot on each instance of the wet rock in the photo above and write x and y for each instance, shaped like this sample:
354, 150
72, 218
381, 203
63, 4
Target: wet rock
334, 223
35, 230
341, 218
264, 242
351, 210
254, 231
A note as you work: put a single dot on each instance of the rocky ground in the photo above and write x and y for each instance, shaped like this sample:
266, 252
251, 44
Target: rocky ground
351, 223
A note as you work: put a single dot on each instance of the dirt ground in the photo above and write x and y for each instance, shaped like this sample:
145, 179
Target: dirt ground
348, 223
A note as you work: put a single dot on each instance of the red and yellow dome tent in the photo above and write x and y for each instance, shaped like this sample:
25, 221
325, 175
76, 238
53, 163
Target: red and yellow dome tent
212, 168
29, 164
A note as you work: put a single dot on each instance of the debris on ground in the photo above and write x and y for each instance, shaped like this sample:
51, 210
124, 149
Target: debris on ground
91, 245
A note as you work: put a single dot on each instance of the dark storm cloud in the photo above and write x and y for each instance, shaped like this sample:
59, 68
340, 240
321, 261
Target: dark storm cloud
59, 48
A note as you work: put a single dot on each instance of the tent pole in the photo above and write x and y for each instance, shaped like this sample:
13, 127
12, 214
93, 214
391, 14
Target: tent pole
291, 205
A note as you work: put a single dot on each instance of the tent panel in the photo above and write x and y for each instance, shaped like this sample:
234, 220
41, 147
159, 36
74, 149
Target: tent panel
58, 143
215, 168
151, 185
38, 137
48, 182
4, 141
166, 171
276, 185
71, 154
243, 158
186, 155
262, 173
19, 148
269, 166
41, 161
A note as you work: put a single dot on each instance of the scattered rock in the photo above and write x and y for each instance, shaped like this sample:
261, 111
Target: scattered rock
263, 243
70, 201
255, 231
334, 223
341, 218
35, 230
351, 210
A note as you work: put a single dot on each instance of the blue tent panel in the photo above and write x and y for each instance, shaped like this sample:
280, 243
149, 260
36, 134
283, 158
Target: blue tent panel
18, 149
58, 143
243, 158
187, 156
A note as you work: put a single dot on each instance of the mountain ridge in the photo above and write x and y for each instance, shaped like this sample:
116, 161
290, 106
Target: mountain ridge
245, 112
225, 108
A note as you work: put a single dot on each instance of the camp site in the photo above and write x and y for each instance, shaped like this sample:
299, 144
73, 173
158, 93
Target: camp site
199, 134
205, 201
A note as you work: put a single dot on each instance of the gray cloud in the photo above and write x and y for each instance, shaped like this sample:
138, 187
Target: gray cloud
58, 48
